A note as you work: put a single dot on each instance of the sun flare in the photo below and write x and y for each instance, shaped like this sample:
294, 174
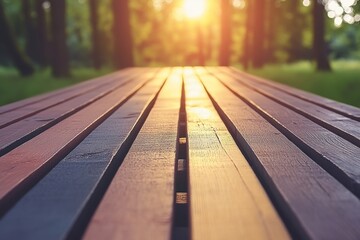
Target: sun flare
194, 8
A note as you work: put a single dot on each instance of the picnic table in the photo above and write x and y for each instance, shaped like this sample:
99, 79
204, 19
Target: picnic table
179, 153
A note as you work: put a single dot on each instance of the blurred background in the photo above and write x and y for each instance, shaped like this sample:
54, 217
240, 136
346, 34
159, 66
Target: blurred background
309, 44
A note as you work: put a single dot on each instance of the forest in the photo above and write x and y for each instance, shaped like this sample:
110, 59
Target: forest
65, 35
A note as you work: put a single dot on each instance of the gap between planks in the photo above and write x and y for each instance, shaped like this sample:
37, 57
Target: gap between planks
227, 201
21, 168
312, 203
89, 167
16, 134
340, 108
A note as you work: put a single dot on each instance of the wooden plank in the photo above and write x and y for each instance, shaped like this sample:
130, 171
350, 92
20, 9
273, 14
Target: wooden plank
26, 164
339, 124
76, 91
313, 204
336, 155
79, 180
45, 96
341, 108
227, 200
139, 201
21, 131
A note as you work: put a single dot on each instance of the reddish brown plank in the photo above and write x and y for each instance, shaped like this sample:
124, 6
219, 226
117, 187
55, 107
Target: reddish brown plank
23, 166
21, 131
31, 109
337, 123
80, 179
338, 156
341, 108
313, 203
139, 201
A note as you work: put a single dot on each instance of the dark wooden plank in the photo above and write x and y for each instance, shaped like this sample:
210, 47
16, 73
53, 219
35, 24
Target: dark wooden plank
336, 155
76, 91
341, 108
78, 181
313, 204
337, 123
139, 201
21, 131
45, 96
23, 166
227, 200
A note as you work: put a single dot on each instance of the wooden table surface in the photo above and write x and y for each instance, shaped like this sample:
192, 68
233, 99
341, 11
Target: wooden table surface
179, 153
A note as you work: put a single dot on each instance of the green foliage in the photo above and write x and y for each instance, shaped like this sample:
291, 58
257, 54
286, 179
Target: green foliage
162, 37
78, 31
15, 21
344, 42
13, 8
342, 84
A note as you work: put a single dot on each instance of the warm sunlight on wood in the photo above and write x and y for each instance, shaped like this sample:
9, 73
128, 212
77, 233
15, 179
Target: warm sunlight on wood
194, 8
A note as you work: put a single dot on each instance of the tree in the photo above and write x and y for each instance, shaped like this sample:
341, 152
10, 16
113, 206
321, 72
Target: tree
258, 51
123, 45
295, 29
94, 19
19, 59
201, 44
41, 33
319, 44
225, 35
247, 45
31, 46
271, 29
60, 55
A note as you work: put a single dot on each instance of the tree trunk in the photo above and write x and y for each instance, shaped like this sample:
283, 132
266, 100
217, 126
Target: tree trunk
31, 46
271, 30
296, 30
19, 59
225, 42
41, 33
209, 42
247, 47
60, 56
94, 17
200, 40
319, 44
258, 51
122, 35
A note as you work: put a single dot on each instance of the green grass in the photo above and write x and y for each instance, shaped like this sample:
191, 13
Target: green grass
13, 87
342, 84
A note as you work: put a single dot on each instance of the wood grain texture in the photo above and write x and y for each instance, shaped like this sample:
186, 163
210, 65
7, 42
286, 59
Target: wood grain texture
23, 166
337, 123
64, 199
336, 155
139, 201
63, 177
23, 130
341, 108
76, 91
227, 200
313, 203
46, 96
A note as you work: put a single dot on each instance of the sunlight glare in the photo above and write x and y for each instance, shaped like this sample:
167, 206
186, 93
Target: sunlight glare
341, 11
194, 8
306, 3
195, 91
202, 113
